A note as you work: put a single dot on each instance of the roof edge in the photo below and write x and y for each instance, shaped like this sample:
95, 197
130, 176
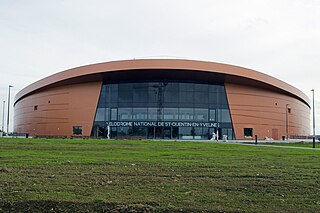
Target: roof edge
177, 64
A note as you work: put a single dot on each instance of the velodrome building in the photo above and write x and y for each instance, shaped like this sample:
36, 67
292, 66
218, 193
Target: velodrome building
161, 99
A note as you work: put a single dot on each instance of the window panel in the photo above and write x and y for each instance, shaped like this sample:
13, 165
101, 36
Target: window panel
199, 133
137, 105
123, 131
213, 88
140, 114
171, 114
224, 132
230, 134
114, 93
201, 97
181, 101
125, 93
140, 96
201, 114
101, 131
140, 92
138, 131
107, 114
220, 88
113, 132
186, 114
212, 115
102, 98
186, 97
223, 99
101, 114
248, 132
125, 114
114, 114
152, 113
223, 115
172, 86
171, 105
152, 96
185, 133
171, 96
201, 88
213, 98
77, 130
186, 87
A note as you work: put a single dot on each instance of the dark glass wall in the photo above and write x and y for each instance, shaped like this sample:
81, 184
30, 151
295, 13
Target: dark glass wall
155, 110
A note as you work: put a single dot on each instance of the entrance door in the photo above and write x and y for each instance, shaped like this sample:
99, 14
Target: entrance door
275, 134
216, 131
158, 132
175, 132
150, 132
163, 132
167, 132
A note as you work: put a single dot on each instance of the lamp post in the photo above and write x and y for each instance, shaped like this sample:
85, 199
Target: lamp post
287, 127
8, 109
314, 122
3, 106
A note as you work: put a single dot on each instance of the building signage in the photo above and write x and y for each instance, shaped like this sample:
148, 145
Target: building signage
160, 124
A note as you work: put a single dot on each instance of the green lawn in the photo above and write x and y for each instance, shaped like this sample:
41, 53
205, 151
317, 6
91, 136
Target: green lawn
61, 175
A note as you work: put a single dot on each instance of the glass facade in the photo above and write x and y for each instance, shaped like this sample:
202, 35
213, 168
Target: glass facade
162, 110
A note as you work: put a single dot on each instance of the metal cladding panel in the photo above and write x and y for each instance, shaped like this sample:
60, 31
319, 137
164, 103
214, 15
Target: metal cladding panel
54, 111
256, 100
265, 112
151, 67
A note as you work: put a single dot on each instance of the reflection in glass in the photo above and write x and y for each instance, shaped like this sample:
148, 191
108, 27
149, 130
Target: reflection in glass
114, 114
201, 115
212, 115
125, 114
140, 93
152, 114
186, 114
140, 114
171, 114
201, 88
186, 87
101, 114
186, 97
125, 93
201, 97
180, 102
223, 115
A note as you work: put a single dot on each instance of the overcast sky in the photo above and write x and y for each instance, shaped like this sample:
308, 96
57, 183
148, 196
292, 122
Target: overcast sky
277, 37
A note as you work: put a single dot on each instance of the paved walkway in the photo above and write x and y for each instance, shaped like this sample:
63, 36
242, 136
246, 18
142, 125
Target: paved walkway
279, 146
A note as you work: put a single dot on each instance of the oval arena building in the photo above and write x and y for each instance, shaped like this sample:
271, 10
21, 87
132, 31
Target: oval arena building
162, 99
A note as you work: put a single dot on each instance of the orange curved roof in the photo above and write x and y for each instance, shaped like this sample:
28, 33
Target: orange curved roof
164, 64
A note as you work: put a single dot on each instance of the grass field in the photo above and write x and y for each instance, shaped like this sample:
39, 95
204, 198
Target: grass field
60, 175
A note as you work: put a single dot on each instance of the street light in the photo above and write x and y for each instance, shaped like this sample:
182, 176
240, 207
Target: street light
314, 122
3, 106
287, 128
8, 109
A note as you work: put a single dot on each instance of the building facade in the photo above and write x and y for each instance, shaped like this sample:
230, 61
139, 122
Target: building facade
162, 99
